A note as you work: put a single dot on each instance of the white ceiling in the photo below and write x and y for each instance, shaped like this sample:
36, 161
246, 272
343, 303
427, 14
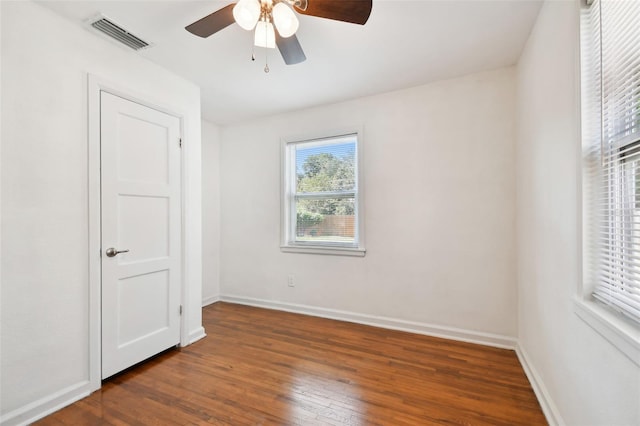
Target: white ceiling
405, 43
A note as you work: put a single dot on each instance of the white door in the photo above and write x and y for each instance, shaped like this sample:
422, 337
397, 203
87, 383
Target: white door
141, 219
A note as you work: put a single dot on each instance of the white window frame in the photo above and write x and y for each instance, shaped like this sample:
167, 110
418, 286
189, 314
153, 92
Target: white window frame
620, 331
288, 203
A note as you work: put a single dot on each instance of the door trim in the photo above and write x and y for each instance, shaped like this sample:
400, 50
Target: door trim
95, 85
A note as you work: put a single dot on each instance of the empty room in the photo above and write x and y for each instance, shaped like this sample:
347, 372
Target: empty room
320, 212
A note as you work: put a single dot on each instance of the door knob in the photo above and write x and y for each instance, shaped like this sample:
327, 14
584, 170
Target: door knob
111, 252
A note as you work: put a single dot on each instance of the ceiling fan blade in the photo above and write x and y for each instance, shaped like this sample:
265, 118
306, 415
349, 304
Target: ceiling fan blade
290, 49
213, 23
353, 11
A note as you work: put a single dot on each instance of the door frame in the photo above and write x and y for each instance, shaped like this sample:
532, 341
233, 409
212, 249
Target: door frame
96, 85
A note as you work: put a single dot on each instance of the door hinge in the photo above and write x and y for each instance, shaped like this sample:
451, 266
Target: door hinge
180, 309
180, 142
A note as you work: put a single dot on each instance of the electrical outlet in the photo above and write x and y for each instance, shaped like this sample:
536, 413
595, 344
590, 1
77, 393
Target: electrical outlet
291, 281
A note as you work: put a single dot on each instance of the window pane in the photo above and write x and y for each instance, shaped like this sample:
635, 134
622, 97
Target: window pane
330, 220
326, 166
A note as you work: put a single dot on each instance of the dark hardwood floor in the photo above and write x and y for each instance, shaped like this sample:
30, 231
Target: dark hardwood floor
263, 367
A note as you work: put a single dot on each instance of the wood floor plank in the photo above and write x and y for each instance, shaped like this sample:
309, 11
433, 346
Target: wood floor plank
264, 367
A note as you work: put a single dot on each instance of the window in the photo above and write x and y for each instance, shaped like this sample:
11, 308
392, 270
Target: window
322, 198
611, 158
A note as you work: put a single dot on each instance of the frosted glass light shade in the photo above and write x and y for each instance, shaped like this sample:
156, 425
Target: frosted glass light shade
285, 20
265, 35
246, 13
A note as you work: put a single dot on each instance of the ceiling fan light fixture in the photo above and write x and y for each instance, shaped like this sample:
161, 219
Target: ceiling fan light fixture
265, 35
260, 14
285, 20
246, 13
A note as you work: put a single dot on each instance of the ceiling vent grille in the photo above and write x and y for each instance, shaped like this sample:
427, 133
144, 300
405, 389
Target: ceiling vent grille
118, 33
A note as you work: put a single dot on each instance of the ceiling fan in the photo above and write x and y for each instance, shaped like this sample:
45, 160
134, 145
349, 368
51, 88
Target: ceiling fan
262, 15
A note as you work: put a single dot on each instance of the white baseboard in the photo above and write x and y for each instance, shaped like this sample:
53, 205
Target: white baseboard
209, 300
452, 333
44, 406
196, 335
47, 405
549, 409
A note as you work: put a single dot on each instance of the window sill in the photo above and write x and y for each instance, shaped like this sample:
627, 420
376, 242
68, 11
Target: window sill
333, 251
618, 331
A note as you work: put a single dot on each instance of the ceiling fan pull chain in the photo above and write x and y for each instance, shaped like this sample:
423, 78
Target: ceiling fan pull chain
266, 55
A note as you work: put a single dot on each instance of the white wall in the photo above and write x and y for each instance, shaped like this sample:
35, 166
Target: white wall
440, 208
210, 212
588, 381
45, 336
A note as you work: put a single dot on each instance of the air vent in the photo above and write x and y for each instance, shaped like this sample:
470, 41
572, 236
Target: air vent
118, 33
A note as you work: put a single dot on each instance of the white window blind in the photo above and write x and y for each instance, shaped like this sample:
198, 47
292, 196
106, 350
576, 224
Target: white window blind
611, 142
